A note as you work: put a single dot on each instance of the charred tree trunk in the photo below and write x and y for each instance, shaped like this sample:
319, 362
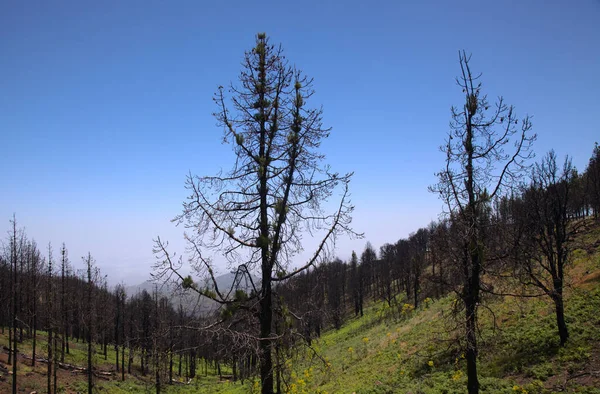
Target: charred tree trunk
266, 315
63, 310
471, 298
35, 295
171, 352
471, 351
123, 363
55, 362
563, 331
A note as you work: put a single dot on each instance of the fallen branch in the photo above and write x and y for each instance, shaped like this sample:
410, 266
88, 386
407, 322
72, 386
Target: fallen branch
70, 367
181, 383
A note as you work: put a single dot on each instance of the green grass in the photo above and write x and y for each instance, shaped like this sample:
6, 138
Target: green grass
417, 353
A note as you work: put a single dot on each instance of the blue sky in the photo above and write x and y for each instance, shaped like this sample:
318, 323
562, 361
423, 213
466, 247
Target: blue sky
106, 106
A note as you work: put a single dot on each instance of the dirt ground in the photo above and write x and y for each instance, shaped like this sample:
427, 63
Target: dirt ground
35, 379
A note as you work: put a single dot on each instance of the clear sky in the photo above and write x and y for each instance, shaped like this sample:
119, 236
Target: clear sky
106, 105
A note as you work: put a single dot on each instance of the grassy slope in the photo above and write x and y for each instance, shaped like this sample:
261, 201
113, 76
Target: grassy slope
415, 351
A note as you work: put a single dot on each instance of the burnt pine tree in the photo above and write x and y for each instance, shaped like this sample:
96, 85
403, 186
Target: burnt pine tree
367, 267
355, 285
64, 262
89, 264
35, 266
50, 315
486, 149
255, 214
549, 232
387, 255
119, 297
14, 256
418, 247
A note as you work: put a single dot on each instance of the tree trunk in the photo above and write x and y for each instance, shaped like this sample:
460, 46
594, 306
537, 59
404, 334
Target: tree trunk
170, 352
192, 363
105, 345
179, 368
34, 344
471, 298
91, 323
123, 363
10, 330
266, 315
50, 355
142, 358
156, 368
361, 296
129, 361
171, 366
35, 285
63, 309
471, 351
234, 368
54, 361
563, 331
416, 291
89, 363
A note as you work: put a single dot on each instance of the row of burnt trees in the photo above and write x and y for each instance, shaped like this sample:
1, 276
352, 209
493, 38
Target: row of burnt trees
39, 292
332, 292
45, 299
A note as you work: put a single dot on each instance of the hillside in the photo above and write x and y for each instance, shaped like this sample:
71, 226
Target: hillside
415, 351
401, 350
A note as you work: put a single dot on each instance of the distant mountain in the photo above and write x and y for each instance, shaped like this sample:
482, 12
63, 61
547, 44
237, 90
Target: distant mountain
225, 281
191, 301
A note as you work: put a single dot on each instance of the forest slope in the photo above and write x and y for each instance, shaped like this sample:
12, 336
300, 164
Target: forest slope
417, 351
402, 350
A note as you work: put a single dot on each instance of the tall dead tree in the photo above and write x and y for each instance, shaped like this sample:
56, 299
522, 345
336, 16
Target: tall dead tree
256, 214
35, 266
355, 285
64, 262
50, 322
14, 254
367, 267
119, 321
89, 263
548, 232
486, 150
